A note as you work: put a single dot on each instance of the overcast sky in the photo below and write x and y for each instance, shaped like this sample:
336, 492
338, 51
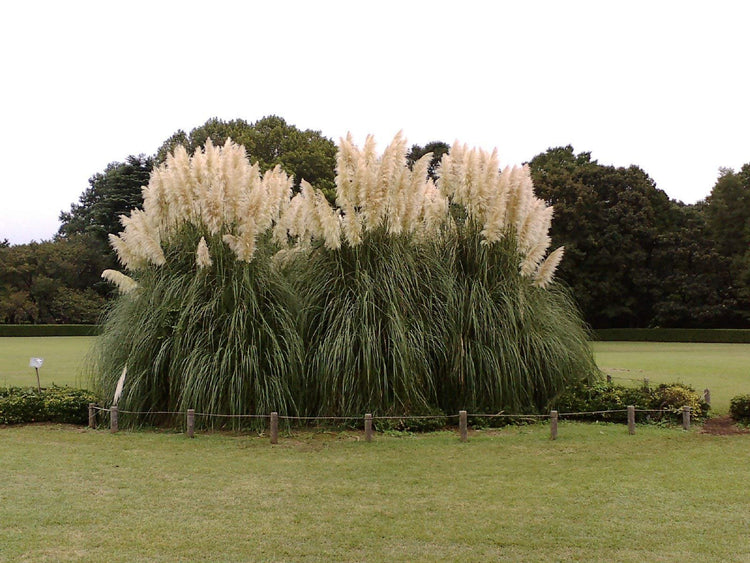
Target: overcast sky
663, 85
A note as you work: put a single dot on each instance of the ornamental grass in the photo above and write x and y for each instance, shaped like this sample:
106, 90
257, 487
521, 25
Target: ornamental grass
408, 297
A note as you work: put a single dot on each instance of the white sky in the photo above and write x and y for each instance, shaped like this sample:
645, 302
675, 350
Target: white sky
660, 84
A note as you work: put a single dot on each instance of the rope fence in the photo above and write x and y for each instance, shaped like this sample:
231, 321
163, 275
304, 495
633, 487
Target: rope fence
368, 418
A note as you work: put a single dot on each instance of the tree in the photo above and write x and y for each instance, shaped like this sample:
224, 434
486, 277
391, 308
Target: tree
111, 193
695, 288
728, 218
52, 282
270, 141
609, 220
437, 148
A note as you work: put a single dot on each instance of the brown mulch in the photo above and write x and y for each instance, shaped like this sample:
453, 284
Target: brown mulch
723, 426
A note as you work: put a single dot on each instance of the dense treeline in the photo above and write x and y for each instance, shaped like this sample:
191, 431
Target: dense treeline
634, 258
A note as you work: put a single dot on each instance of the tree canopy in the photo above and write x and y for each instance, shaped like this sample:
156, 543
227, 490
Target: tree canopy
271, 141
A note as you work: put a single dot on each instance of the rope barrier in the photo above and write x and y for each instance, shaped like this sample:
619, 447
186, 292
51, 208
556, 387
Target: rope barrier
502, 415
592, 412
207, 414
401, 417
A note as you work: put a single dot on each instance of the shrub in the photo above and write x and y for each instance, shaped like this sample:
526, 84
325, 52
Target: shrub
603, 396
674, 396
739, 408
56, 404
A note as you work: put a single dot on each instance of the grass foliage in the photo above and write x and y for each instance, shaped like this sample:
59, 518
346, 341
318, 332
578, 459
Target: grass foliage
221, 339
510, 345
594, 494
392, 326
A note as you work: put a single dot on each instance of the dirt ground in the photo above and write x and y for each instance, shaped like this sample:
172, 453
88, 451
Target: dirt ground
723, 426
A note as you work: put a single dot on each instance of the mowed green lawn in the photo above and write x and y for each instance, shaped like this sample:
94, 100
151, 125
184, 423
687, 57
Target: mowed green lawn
722, 368
595, 494
63, 360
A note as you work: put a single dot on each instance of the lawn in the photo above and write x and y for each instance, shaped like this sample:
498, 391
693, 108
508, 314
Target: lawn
722, 368
595, 494
63, 359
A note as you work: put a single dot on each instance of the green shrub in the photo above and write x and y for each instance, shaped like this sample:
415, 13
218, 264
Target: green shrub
674, 396
739, 408
602, 396
56, 404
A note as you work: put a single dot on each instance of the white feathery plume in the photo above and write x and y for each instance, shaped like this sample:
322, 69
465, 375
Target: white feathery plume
202, 256
546, 271
125, 284
118, 388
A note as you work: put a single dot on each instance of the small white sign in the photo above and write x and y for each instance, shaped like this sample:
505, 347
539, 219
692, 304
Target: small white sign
36, 362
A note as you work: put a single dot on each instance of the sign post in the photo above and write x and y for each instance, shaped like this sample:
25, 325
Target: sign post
36, 363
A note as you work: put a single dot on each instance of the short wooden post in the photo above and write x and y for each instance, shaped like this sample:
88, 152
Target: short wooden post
645, 382
707, 396
463, 425
553, 425
686, 417
191, 423
631, 419
368, 427
113, 422
609, 378
274, 428
92, 415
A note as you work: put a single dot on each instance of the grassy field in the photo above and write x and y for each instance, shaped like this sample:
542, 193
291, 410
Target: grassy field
595, 494
722, 368
63, 359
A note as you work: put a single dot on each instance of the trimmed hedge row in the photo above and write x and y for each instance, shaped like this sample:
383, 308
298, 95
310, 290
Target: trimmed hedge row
56, 404
728, 335
49, 330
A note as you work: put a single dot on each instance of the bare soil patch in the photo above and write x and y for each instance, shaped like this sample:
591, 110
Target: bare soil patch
723, 426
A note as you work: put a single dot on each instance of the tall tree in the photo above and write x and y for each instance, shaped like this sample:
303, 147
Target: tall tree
307, 155
728, 216
609, 220
111, 193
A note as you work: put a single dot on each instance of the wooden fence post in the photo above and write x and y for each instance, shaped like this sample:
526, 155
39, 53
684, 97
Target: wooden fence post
92, 415
707, 397
553, 425
113, 422
463, 425
191, 423
631, 419
686, 417
645, 382
368, 427
609, 378
274, 427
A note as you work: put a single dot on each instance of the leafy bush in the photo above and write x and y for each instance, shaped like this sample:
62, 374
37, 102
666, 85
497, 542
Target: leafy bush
56, 404
674, 396
739, 408
602, 396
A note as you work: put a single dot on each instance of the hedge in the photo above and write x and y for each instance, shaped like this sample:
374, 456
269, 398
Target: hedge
56, 404
673, 335
49, 330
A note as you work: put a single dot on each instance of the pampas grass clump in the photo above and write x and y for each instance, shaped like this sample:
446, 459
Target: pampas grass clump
205, 320
409, 297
